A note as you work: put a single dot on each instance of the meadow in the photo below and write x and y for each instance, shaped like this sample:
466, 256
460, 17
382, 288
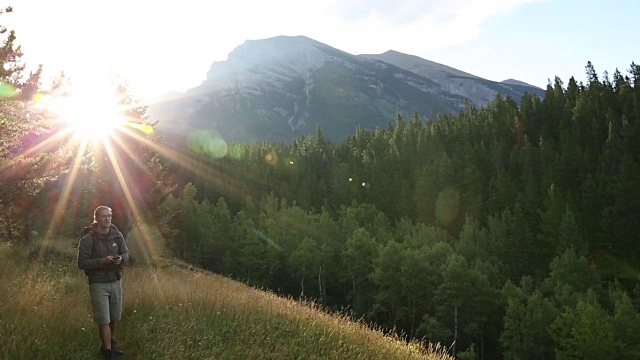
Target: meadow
173, 311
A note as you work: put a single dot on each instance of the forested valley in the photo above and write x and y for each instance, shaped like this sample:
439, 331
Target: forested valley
509, 231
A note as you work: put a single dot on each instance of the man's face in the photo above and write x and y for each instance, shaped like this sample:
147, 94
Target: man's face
104, 218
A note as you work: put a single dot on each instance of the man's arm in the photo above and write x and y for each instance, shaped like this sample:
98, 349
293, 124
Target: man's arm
85, 262
123, 250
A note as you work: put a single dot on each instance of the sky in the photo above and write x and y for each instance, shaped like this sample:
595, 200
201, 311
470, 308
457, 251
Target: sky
160, 46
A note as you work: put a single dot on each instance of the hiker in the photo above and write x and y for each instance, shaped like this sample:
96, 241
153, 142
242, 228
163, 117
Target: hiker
102, 254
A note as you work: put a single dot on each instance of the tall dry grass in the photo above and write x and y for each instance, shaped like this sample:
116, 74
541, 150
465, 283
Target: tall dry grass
172, 312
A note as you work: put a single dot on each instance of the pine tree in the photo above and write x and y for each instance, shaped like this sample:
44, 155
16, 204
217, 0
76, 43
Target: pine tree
10, 56
527, 319
584, 332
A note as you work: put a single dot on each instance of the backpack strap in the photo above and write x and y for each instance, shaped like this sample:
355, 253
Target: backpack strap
89, 230
86, 230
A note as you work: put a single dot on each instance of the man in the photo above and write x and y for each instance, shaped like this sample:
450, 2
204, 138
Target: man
102, 254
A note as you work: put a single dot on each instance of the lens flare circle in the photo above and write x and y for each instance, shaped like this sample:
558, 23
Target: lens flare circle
206, 143
271, 158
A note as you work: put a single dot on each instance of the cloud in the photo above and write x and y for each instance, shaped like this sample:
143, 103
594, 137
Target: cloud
409, 12
170, 43
415, 24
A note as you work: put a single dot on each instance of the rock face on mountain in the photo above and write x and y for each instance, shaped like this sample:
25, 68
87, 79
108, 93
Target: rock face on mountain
477, 90
284, 87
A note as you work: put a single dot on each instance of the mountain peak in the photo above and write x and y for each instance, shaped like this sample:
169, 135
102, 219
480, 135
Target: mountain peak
277, 48
517, 82
299, 54
427, 68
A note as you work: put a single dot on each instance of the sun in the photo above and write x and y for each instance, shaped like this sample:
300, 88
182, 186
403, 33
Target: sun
89, 111
91, 115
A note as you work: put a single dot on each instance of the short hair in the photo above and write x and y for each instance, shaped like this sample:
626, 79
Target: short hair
98, 210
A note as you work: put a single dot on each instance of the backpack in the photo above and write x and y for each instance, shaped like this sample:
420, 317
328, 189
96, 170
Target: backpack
85, 231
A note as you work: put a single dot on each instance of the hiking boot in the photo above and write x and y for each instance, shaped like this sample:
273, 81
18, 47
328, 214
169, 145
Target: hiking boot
108, 354
115, 350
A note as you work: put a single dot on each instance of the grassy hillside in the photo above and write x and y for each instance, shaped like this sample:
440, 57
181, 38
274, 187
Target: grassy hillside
172, 312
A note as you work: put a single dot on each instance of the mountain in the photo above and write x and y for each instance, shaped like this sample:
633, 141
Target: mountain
284, 87
479, 91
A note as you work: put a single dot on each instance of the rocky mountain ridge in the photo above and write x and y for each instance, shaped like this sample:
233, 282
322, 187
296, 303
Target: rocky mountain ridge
284, 87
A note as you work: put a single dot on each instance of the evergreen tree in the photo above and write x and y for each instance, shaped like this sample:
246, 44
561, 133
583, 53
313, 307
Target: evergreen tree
571, 236
10, 55
221, 235
249, 263
570, 278
625, 325
620, 228
527, 319
584, 332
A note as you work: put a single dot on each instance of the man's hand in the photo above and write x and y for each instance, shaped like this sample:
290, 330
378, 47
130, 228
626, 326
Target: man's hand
110, 260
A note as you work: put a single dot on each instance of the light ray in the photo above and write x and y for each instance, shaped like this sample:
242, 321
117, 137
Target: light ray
144, 231
48, 142
123, 183
63, 200
187, 162
35, 149
136, 213
130, 153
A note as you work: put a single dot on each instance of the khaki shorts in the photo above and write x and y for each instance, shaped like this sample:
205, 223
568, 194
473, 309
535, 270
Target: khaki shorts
106, 299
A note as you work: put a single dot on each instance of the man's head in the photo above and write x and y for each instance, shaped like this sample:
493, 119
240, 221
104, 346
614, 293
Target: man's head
102, 217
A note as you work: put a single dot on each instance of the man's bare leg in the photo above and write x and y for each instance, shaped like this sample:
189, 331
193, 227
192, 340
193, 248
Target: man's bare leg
112, 328
105, 335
